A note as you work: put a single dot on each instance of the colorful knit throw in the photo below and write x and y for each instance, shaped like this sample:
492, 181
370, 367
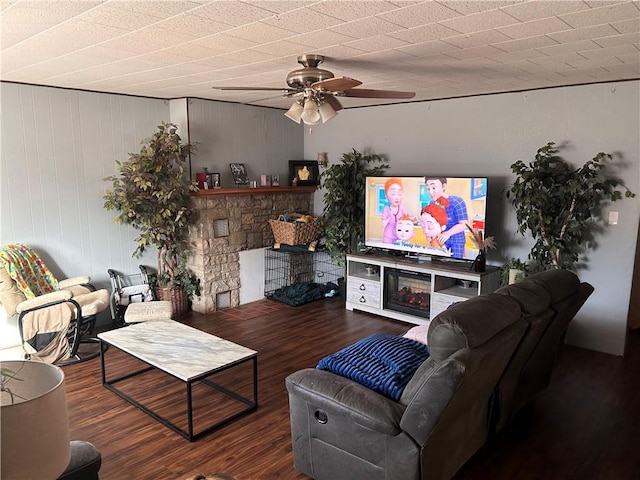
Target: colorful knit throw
31, 275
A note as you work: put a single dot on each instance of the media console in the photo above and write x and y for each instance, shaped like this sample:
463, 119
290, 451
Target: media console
412, 290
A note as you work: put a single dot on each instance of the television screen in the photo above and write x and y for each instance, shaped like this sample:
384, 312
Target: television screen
425, 215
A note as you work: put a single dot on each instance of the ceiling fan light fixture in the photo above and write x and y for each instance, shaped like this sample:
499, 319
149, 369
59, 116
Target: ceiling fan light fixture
326, 112
310, 114
295, 112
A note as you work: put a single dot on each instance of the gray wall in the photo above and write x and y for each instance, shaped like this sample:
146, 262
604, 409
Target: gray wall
484, 136
261, 138
58, 145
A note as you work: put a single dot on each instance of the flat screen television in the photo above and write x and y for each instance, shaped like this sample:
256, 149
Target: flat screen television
425, 215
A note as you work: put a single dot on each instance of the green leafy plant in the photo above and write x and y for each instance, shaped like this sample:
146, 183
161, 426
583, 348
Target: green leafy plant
513, 264
153, 194
344, 211
560, 206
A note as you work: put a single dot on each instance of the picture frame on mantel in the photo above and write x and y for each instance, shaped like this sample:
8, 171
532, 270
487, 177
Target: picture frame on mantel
239, 173
304, 172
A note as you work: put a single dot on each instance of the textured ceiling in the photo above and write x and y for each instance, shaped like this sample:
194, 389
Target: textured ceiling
439, 49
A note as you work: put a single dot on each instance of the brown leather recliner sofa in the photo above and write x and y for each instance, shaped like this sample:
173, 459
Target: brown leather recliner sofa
476, 378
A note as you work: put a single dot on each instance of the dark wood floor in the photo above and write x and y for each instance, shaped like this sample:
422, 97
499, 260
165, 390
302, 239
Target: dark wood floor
585, 426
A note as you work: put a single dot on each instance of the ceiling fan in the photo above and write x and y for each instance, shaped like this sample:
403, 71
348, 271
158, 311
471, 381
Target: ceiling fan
318, 89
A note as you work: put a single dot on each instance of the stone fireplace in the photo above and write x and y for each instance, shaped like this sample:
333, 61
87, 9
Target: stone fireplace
231, 220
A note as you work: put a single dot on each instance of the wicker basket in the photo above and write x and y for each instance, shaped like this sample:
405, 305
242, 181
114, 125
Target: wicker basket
294, 233
178, 298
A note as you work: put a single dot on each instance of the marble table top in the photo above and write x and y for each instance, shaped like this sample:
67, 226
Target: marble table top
175, 348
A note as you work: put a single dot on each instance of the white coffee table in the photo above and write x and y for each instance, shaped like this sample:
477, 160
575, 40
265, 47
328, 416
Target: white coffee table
186, 354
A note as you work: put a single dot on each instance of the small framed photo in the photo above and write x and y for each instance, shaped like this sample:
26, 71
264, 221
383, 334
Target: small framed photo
239, 173
275, 180
304, 172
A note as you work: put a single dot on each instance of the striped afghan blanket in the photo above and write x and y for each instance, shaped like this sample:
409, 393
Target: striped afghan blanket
384, 363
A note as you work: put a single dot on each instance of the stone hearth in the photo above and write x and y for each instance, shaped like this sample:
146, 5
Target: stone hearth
231, 220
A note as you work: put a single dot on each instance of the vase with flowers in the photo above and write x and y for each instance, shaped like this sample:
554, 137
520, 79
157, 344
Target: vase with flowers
482, 243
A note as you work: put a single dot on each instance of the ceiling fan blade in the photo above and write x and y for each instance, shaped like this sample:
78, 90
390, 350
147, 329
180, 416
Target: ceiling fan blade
333, 101
337, 84
369, 93
266, 89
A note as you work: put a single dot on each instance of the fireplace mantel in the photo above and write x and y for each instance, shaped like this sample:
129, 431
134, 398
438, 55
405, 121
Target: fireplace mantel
253, 191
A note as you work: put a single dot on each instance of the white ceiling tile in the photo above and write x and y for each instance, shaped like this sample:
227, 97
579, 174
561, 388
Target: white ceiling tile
627, 70
233, 13
259, 32
540, 9
321, 38
147, 40
281, 47
556, 60
280, 6
627, 26
219, 62
193, 25
378, 42
224, 42
474, 52
365, 28
563, 48
192, 50
432, 47
338, 52
353, 10
248, 56
480, 21
517, 56
424, 33
603, 15
586, 33
420, 14
603, 53
302, 21
112, 15
591, 63
534, 28
525, 43
627, 38
157, 8
477, 39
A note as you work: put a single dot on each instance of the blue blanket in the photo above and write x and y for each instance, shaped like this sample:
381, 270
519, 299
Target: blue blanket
384, 363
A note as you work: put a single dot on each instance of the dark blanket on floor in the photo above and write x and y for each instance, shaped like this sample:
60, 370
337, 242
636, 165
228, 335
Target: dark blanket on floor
301, 293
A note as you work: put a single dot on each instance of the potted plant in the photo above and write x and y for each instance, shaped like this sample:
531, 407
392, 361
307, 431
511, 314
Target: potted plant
560, 206
513, 271
344, 212
482, 243
153, 194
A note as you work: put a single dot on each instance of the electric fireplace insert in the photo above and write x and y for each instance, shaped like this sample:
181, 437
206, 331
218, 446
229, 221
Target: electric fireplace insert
407, 292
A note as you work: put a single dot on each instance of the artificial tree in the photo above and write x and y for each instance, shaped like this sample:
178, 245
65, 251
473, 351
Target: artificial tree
344, 210
153, 194
560, 206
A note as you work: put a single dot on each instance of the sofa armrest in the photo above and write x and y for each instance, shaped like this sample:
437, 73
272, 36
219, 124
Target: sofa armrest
70, 282
53, 297
340, 395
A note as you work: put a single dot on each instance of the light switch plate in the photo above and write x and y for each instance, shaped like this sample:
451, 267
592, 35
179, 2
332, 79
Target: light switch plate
613, 218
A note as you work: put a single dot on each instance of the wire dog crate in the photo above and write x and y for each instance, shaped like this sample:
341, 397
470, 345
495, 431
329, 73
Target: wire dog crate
294, 267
